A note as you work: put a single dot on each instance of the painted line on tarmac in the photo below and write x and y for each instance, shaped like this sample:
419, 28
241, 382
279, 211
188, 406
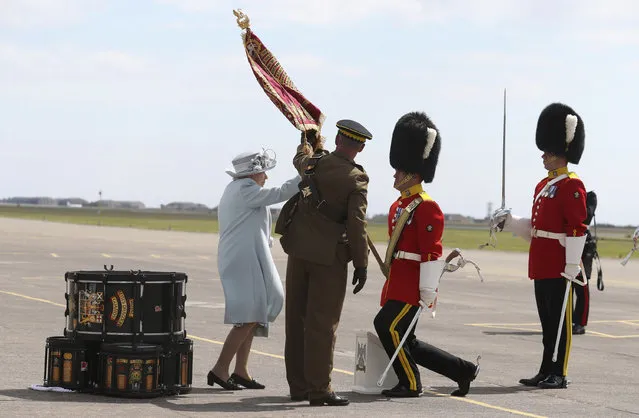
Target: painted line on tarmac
194, 337
32, 298
105, 255
470, 401
518, 327
54, 255
277, 356
486, 405
601, 334
505, 326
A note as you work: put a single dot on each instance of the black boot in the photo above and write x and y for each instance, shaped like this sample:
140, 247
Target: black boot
401, 391
553, 382
578, 330
464, 385
533, 381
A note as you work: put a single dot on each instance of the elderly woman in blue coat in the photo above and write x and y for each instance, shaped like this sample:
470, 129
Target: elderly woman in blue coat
253, 290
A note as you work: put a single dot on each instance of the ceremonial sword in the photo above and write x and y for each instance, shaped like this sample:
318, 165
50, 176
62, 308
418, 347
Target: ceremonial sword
492, 240
635, 239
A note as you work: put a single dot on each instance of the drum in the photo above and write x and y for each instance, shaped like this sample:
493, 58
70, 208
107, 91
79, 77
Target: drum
176, 367
125, 306
68, 364
129, 370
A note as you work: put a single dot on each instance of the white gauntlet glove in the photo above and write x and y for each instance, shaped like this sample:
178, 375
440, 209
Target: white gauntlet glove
506, 221
429, 274
574, 249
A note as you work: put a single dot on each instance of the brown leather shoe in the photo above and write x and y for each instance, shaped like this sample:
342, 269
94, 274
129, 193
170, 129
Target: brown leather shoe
330, 399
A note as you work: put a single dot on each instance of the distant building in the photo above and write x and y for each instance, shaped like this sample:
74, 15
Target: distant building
117, 204
185, 206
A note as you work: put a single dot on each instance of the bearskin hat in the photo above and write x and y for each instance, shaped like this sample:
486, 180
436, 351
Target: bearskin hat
415, 145
560, 131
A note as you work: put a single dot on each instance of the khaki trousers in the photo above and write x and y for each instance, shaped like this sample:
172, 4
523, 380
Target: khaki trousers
314, 299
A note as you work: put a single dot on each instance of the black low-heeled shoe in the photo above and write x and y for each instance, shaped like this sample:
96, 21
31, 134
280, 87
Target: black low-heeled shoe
249, 384
212, 379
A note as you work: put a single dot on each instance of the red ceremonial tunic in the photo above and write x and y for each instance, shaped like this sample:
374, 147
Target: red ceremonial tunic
561, 208
422, 234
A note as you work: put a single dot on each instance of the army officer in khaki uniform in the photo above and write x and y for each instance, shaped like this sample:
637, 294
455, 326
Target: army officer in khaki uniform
323, 228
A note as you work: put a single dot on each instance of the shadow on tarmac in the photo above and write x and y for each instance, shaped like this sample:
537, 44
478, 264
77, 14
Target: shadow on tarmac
244, 404
486, 390
512, 332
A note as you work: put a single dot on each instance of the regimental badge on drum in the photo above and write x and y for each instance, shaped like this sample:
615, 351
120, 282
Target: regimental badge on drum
361, 357
91, 306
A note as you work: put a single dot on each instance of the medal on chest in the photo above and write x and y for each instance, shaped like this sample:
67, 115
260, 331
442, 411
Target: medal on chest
398, 212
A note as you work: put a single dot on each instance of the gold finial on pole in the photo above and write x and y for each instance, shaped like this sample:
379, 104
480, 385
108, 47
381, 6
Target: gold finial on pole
242, 19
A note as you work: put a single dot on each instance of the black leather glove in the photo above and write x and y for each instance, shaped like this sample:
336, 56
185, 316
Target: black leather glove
359, 278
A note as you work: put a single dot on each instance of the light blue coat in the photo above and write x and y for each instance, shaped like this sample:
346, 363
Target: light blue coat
253, 289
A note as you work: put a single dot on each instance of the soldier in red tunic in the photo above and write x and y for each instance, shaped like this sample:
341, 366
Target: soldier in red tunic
415, 224
556, 233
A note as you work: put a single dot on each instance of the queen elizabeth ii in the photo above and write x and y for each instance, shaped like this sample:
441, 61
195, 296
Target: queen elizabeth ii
253, 290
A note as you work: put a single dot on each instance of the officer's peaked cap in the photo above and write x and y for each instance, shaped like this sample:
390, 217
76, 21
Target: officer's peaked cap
353, 130
415, 145
560, 131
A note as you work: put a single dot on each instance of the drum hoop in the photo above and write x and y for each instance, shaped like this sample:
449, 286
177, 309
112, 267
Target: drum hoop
143, 349
143, 334
64, 343
143, 281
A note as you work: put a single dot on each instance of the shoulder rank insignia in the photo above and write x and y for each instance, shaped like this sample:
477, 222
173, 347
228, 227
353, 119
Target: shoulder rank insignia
576, 195
429, 228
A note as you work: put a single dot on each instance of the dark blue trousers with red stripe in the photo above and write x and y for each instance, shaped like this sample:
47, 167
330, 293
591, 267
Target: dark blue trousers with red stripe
391, 324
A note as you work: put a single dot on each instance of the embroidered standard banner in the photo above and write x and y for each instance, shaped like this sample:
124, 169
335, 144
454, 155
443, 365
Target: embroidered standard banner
276, 83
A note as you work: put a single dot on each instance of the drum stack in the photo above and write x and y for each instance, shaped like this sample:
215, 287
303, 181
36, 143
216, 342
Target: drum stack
124, 335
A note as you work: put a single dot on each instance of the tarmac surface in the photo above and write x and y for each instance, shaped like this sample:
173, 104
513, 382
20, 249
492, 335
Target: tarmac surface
495, 319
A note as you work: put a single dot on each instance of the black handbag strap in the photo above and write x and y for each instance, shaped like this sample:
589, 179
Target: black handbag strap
310, 192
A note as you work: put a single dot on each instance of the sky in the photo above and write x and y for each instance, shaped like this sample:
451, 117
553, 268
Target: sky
150, 100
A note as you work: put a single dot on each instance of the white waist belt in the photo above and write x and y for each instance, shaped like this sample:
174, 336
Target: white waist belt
408, 256
538, 233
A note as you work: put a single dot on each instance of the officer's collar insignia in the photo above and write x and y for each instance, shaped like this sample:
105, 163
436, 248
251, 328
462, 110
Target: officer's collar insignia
306, 191
558, 172
413, 190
